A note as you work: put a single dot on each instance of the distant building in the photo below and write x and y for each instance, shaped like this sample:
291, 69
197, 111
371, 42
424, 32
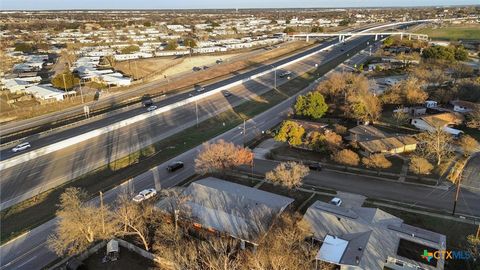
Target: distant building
441, 120
45, 92
361, 238
463, 106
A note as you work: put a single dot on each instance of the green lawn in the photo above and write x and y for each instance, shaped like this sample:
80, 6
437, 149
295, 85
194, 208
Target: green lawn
453, 32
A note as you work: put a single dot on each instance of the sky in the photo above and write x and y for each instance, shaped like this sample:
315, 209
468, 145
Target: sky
215, 4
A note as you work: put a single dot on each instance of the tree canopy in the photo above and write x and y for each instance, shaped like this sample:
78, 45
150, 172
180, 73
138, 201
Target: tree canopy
65, 80
311, 105
290, 132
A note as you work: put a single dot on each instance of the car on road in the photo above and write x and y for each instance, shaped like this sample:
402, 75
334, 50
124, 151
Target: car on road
285, 74
336, 201
315, 166
145, 195
226, 93
175, 166
205, 67
219, 61
196, 68
21, 147
152, 108
199, 88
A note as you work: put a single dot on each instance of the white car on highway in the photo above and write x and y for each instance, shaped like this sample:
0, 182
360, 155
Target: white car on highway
145, 195
336, 201
21, 147
152, 108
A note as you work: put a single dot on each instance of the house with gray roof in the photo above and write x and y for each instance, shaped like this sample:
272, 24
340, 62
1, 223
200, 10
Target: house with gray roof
370, 238
224, 207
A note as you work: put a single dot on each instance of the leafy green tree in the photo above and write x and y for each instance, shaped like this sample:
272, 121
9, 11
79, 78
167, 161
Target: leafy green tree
189, 42
388, 41
130, 49
461, 54
289, 30
24, 47
312, 105
290, 132
171, 45
439, 52
65, 80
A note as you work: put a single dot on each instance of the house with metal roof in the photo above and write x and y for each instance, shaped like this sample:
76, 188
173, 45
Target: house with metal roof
370, 238
440, 120
223, 207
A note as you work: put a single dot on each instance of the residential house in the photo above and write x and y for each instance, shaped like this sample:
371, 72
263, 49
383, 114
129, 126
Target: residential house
440, 120
462, 106
374, 141
390, 145
223, 207
363, 238
45, 92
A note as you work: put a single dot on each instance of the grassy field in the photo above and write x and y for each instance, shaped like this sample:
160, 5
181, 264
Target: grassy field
453, 32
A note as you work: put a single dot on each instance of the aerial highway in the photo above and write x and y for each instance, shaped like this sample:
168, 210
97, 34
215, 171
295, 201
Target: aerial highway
36, 175
29, 251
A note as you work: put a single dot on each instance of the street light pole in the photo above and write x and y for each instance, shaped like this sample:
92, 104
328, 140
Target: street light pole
196, 110
81, 90
244, 132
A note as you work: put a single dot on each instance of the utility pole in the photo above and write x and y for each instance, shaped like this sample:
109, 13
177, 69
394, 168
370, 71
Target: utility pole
456, 197
81, 90
101, 210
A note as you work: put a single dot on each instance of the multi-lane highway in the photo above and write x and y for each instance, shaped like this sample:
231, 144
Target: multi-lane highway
30, 251
33, 176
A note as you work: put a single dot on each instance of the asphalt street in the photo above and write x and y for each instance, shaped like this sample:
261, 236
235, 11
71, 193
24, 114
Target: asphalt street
34, 176
29, 251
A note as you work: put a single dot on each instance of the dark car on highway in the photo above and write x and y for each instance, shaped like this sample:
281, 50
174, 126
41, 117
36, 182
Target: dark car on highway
315, 166
175, 166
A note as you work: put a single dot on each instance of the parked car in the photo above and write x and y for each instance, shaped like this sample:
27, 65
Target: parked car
145, 195
152, 108
226, 93
315, 166
196, 68
285, 74
219, 61
205, 67
175, 166
21, 147
336, 201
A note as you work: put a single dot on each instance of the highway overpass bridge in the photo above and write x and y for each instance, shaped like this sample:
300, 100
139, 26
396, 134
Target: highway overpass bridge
341, 36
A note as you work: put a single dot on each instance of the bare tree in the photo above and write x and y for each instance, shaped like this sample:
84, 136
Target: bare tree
289, 174
284, 247
400, 115
80, 224
469, 145
474, 118
377, 161
435, 144
134, 219
221, 156
420, 165
220, 253
346, 157
364, 106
